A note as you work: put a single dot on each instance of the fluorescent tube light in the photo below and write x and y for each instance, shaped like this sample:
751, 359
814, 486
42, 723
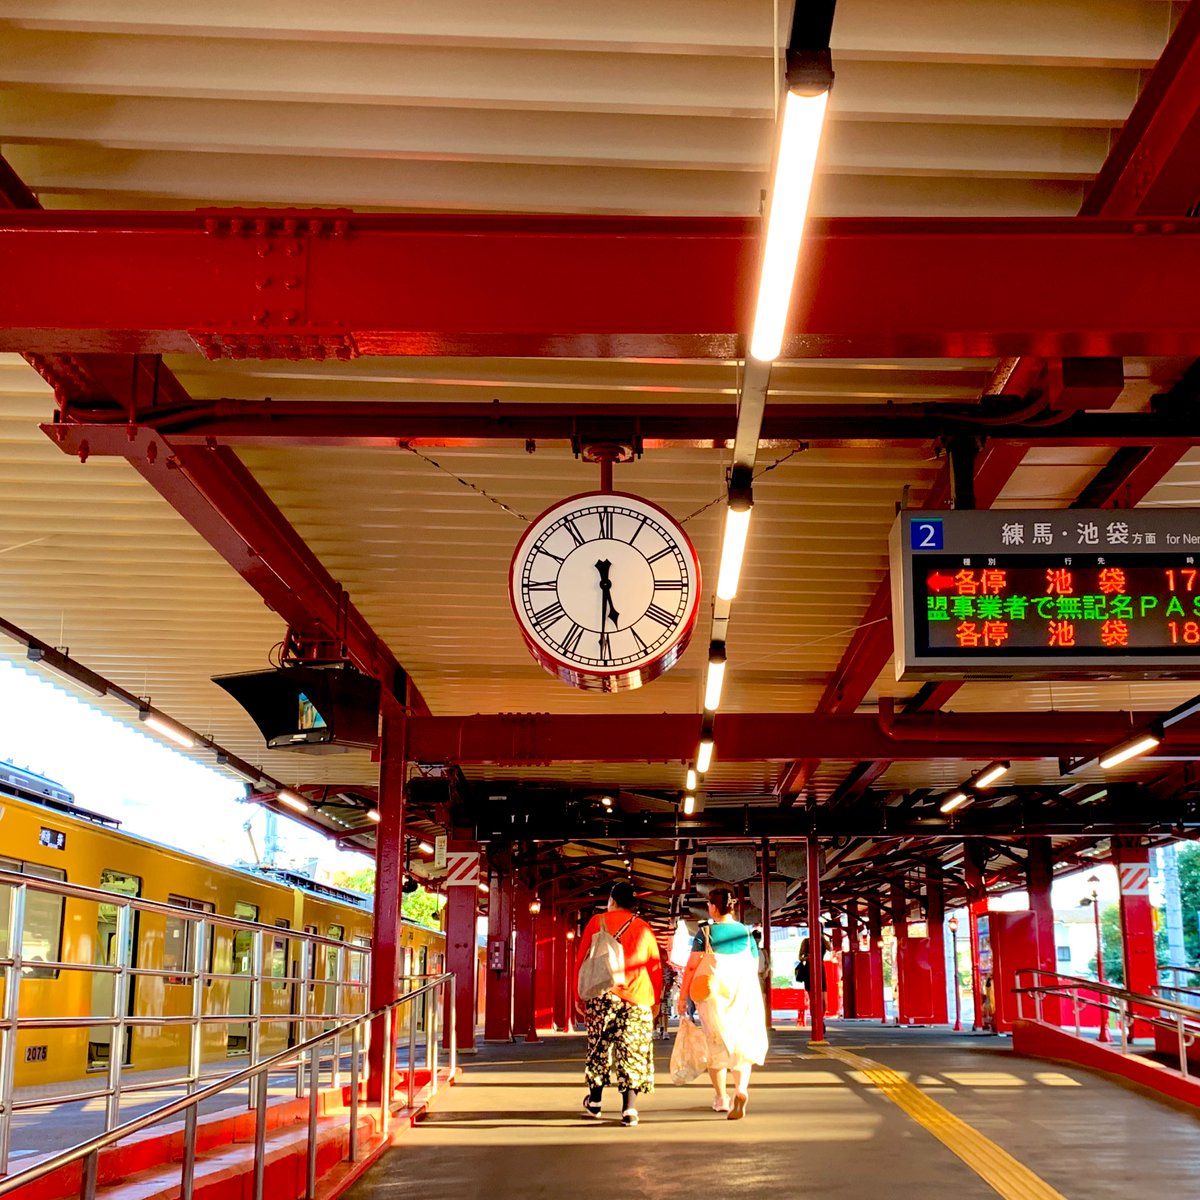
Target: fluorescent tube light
373, 815
795, 164
1129, 749
689, 804
990, 774
292, 801
954, 802
704, 755
690, 785
716, 676
733, 546
425, 847
169, 731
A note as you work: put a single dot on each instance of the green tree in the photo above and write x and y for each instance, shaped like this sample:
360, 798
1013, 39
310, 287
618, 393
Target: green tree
1110, 939
422, 906
1189, 895
356, 881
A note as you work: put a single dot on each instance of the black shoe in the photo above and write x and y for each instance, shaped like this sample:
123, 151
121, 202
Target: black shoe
591, 1108
629, 1117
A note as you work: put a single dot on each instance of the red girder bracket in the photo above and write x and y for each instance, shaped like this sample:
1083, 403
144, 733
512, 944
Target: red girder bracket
316, 284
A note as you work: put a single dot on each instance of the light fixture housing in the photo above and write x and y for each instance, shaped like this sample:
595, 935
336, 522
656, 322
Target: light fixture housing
535, 906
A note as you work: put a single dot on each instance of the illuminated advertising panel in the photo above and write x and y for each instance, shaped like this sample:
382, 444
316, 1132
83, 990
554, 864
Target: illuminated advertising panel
1075, 593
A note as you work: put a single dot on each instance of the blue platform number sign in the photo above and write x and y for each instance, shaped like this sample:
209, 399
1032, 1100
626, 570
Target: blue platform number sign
926, 534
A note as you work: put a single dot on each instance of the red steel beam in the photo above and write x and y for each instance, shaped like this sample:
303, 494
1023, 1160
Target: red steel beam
274, 283
523, 738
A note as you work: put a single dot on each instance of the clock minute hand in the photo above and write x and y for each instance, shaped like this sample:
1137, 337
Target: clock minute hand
606, 604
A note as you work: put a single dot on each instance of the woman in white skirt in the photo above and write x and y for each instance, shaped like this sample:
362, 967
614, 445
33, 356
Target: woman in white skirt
721, 976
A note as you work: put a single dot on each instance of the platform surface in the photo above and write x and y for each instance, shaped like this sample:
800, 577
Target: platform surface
817, 1126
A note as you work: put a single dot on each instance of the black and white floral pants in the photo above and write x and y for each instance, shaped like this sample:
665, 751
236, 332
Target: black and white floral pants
620, 1044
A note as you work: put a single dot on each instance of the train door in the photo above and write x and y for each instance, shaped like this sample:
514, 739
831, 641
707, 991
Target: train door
107, 953
238, 1035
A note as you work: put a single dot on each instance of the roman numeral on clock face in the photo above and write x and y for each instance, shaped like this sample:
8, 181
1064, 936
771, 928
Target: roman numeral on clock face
572, 529
546, 585
545, 617
570, 643
606, 522
668, 585
660, 615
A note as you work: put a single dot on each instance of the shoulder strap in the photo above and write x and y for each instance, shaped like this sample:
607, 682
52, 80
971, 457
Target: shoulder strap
707, 939
621, 932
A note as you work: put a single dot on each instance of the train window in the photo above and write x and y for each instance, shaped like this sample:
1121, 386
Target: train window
181, 938
333, 954
358, 960
279, 956
43, 920
243, 939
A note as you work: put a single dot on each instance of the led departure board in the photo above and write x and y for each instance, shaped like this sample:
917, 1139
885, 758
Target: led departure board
1062, 594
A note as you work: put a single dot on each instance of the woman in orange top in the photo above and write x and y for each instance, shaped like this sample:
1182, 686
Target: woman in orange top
620, 1023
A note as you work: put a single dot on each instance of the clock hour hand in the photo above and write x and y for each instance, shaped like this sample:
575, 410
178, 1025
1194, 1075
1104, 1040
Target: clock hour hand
606, 604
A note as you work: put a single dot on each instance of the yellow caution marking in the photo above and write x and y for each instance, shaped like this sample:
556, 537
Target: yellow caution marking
996, 1167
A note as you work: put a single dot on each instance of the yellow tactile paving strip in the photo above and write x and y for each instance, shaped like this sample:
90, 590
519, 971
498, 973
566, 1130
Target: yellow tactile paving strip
996, 1167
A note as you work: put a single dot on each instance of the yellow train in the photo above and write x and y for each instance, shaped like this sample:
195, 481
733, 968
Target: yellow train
43, 835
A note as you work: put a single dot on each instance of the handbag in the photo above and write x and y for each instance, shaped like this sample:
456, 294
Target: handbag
604, 967
689, 1056
703, 983
802, 972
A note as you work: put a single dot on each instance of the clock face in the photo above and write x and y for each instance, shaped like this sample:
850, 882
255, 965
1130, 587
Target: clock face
605, 588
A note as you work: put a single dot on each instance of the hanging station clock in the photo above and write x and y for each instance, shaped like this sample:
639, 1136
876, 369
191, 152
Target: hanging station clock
605, 587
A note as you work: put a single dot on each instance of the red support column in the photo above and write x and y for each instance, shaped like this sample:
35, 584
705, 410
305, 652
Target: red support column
977, 908
1039, 869
875, 936
462, 909
849, 974
389, 880
935, 924
974, 864
900, 927
497, 1021
560, 973
523, 967
1132, 860
544, 940
816, 956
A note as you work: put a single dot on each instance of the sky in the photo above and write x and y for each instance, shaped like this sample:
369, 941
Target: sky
152, 789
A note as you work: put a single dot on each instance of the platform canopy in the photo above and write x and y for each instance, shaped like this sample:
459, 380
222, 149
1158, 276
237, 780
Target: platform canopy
321, 305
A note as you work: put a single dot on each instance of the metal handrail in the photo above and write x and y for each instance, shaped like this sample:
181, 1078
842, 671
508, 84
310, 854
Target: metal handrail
89, 1151
202, 925
1185, 1023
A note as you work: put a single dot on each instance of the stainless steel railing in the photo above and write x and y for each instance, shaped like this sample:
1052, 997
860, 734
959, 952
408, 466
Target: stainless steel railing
347, 982
1181, 1019
440, 988
1187, 993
